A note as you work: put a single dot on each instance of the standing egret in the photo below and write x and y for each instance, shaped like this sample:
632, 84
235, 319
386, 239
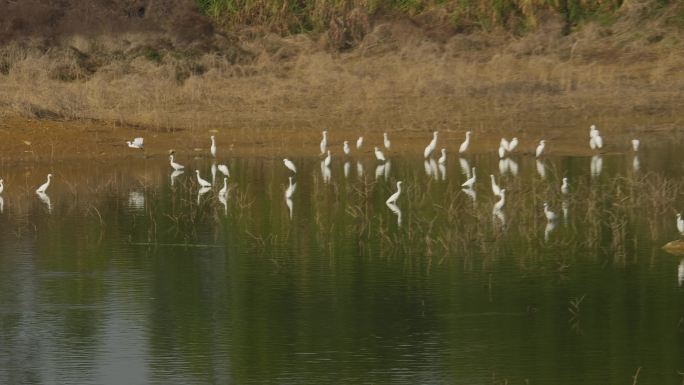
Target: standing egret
359, 142
593, 131
680, 224
465, 144
442, 159
504, 144
500, 204
379, 155
540, 148
327, 160
386, 140
599, 141
203, 183
393, 198
44, 186
324, 142
2, 185
564, 186
224, 169
502, 151
635, 145
550, 215
396, 210
470, 182
224, 190
288, 163
45, 199
512, 145
431, 146
212, 149
345, 148
136, 143
495, 187
174, 165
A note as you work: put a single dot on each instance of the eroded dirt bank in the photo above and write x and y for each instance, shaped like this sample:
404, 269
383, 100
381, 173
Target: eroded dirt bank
81, 93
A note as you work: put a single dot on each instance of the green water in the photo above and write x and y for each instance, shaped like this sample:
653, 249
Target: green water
129, 280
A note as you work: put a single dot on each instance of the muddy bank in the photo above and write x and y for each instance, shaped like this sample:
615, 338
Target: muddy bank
267, 94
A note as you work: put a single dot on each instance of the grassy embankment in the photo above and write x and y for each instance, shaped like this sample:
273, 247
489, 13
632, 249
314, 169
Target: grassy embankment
371, 66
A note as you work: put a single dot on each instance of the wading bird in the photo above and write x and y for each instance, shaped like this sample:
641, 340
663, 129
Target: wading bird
324, 142
386, 140
43, 188
465, 144
345, 148
550, 215
540, 148
359, 142
564, 186
393, 198
175, 165
500, 204
203, 183
512, 145
470, 182
224, 169
288, 163
212, 149
495, 187
136, 143
379, 155
635, 145
431, 146
442, 159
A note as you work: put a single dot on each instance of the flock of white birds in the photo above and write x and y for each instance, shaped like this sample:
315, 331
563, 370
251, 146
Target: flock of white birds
505, 148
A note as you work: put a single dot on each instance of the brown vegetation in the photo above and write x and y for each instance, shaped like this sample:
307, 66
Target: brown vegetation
402, 75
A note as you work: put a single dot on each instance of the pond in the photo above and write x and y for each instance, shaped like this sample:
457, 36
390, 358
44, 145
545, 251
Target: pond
125, 275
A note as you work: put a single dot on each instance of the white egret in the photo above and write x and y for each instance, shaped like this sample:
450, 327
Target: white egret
2, 185
500, 204
359, 142
498, 214
470, 182
291, 188
175, 165
396, 210
203, 183
224, 169
512, 145
428, 169
680, 224
635, 145
550, 215
379, 155
223, 198
504, 143
464, 146
327, 160
393, 198
212, 149
45, 199
442, 159
345, 148
564, 186
540, 148
598, 141
44, 186
324, 142
593, 131
136, 143
495, 187
431, 146
224, 190
288, 163
386, 140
